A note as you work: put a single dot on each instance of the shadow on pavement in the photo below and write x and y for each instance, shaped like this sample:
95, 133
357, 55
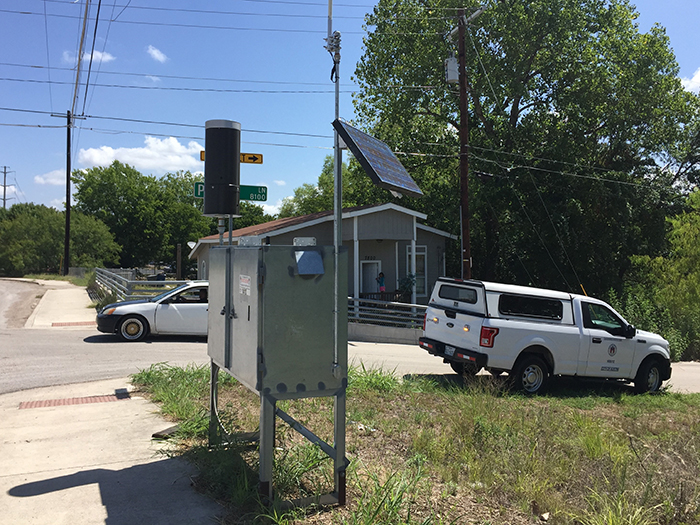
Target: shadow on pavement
154, 493
161, 339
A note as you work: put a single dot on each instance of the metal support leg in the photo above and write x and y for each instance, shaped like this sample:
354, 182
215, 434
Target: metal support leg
214, 434
339, 430
267, 445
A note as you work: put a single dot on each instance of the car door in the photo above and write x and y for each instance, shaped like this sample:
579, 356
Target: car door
184, 313
610, 353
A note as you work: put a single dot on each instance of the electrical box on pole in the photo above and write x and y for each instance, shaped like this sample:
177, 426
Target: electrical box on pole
222, 168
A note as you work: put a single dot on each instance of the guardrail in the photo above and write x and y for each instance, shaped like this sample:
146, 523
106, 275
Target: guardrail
386, 313
368, 311
125, 289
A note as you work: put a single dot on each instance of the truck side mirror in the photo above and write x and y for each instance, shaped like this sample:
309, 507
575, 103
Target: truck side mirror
630, 331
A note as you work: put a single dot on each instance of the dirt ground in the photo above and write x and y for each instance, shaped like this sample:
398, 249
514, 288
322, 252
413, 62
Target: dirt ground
18, 299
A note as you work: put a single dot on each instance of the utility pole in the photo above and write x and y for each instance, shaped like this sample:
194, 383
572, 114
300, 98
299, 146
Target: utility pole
464, 139
464, 148
66, 242
4, 186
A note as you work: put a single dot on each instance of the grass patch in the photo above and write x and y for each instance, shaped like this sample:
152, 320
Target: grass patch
441, 452
78, 281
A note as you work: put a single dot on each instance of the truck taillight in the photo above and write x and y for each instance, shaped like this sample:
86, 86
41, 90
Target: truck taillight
424, 318
488, 335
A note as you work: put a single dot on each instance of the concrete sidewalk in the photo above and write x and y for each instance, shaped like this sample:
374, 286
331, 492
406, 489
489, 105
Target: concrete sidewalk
83, 454
63, 306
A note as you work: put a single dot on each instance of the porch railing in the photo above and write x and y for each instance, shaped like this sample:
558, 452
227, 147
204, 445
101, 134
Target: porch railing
385, 313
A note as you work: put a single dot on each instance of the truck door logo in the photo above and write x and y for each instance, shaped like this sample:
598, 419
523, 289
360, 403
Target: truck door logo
612, 350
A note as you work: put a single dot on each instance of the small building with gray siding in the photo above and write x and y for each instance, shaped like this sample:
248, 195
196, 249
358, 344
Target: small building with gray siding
379, 238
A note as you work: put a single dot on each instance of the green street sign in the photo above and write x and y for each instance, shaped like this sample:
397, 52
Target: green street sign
253, 193
248, 193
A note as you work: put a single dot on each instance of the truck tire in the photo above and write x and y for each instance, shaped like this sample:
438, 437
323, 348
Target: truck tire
648, 377
530, 374
464, 369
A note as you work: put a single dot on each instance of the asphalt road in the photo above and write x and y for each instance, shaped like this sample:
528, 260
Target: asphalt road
45, 357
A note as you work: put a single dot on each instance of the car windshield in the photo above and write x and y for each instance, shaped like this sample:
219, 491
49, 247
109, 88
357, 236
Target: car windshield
166, 293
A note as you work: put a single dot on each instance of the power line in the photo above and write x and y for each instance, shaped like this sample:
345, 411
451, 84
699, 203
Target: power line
245, 28
92, 54
282, 2
48, 58
192, 26
189, 89
180, 77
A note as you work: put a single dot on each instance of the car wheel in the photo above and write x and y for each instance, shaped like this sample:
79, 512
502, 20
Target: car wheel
133, 328
464, 369
648, 377
530, 374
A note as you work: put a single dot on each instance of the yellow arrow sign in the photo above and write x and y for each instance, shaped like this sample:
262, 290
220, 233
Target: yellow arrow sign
246, 158
251, 158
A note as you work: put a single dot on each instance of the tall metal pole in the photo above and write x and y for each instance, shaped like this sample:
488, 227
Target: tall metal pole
66, 242
339, 406
4, 187
464, 149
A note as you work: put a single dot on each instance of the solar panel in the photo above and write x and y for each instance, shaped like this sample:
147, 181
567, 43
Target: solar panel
378, 161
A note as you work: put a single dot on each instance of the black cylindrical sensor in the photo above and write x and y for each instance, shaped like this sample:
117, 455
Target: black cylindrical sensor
222, 167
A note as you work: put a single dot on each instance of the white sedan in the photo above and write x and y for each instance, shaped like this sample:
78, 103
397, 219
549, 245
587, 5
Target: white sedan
181, 311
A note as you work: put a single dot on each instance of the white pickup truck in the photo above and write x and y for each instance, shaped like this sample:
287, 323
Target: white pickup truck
534, 334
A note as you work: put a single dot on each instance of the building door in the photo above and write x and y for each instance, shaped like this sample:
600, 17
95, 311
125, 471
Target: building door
370, 272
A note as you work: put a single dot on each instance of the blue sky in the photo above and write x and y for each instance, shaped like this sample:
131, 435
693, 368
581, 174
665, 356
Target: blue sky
259, 62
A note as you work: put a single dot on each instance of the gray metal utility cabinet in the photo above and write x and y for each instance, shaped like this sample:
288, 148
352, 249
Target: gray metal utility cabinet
271, 326
281, 321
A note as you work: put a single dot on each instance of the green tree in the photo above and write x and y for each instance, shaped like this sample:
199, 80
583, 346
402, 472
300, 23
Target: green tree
31, 240
251, 214
182, 214
310, 198
130, 204
579, 128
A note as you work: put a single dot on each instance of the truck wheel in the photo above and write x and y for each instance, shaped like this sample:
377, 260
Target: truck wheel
530, 374
648, 377
133, 328
464, 369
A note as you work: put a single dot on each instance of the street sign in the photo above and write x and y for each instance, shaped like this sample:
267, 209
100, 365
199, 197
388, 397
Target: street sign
251, 158
246, 158
253, 193
247, 193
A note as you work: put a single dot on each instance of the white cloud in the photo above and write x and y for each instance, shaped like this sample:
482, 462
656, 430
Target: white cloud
98, 56
156, 54
59, 204
692, 84
158, 155
280, 182
53, 178
271, 209
153, 79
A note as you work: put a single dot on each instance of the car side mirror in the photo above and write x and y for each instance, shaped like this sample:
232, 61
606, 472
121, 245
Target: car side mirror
630, 331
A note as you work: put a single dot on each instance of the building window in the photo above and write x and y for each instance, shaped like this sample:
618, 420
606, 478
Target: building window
421, 269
